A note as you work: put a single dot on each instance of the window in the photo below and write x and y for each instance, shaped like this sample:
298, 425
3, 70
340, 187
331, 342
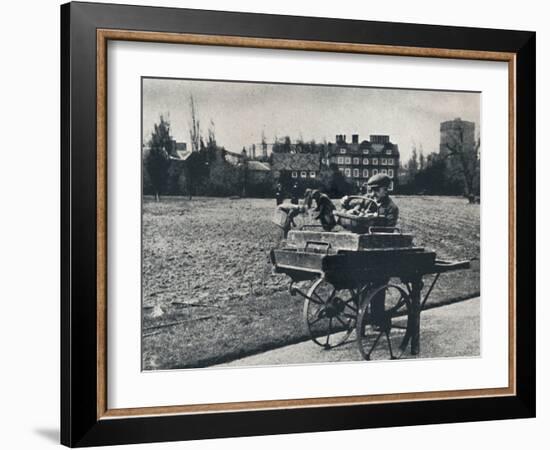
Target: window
365, 173
366, 151
390, 161
384, 161
348, 172
390, 173
356, 173
390, 187
343, 151
375, 161
294, 174
312, 174
388, 152
341, 169
374, 171
340, 160
365, 161
355, 160
384, 171
348, 160
303, 174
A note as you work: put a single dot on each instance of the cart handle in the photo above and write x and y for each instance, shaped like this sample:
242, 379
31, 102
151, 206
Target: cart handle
319, 243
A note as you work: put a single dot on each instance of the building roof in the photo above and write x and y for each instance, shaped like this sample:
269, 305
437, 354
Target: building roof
373, 148
233, 154
296, 161
258, 166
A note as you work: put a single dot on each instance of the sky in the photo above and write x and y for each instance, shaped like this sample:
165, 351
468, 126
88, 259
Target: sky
242, 111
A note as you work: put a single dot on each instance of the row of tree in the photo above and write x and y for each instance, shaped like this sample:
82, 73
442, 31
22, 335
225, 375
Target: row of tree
207, 172
204, 171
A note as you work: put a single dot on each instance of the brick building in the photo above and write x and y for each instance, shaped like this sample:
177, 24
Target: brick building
296, 165
358, 161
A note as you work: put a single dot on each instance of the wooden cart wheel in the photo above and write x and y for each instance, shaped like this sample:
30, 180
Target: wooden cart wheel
382, 323
330, 314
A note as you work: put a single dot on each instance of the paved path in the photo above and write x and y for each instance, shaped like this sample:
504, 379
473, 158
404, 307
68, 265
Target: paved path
446, 331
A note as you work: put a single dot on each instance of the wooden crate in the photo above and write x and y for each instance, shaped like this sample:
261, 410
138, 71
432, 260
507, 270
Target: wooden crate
349, 241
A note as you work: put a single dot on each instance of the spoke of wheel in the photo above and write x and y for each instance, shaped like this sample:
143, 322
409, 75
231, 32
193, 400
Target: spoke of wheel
353, 308
399, 304
315, 321
316, 312
320, 302
342, 322
375, 344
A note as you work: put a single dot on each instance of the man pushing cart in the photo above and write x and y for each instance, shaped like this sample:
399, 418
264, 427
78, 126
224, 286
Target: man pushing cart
349, 272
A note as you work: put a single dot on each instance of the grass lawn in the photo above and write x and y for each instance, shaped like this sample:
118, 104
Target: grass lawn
208, 292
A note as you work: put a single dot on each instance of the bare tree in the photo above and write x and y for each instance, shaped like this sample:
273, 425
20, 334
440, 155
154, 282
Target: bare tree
422, 159
264, 147
467, 156
211, 134
157, 160
412, 165
194, 126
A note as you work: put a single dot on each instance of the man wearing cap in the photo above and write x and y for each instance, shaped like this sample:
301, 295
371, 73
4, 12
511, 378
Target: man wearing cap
387, 216
388, 212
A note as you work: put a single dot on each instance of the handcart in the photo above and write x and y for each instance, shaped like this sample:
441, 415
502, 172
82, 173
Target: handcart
369, 283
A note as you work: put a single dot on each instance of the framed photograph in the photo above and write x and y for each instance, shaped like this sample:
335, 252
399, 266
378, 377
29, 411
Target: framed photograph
277, 224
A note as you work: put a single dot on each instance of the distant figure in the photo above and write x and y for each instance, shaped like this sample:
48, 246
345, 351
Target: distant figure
292, 212
279, 196
294, 194
326, 210
308, 198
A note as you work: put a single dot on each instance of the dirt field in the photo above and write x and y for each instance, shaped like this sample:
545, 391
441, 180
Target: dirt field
208, 292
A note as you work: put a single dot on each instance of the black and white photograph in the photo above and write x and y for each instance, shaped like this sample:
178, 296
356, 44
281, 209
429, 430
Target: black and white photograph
302, 224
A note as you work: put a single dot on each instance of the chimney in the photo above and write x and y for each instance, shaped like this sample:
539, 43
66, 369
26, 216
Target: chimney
379, 138
355, 138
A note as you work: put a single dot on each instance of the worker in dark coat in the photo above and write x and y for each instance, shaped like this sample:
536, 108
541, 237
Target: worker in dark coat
279, 196
387, 216
388, 212
294, 194
326, 208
